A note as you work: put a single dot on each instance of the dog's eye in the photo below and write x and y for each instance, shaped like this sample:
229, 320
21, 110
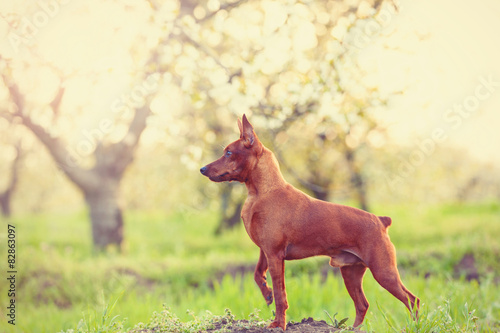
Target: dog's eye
228, 153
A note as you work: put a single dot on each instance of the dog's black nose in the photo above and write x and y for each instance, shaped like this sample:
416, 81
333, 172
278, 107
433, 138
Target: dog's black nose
203, 170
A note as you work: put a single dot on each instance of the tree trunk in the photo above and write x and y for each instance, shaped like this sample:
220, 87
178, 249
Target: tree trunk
357, 180
105, 215
6, 195
230, 209
360, 187
321, 194
5, 204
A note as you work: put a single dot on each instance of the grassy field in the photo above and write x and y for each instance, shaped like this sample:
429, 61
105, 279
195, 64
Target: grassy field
174, 261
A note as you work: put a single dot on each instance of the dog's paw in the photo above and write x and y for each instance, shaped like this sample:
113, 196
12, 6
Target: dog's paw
269, 298
275, 324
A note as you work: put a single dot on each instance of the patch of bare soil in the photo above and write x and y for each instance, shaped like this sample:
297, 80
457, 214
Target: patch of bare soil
467, 267
308, 325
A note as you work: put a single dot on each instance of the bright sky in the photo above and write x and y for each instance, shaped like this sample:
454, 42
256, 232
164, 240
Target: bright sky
443, 72
461, 46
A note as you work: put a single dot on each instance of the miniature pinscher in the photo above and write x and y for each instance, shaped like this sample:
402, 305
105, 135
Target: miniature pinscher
287, 224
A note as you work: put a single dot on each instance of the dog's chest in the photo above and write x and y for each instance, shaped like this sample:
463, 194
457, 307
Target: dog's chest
251, 221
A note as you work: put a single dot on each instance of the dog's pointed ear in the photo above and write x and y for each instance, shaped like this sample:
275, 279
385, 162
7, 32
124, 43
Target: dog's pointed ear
240, 126
246, 133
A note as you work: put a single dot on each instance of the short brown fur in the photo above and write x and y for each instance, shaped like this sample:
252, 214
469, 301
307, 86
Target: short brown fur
287, 224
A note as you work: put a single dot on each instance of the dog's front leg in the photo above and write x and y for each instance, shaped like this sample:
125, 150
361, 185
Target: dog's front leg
277, 270
260, 278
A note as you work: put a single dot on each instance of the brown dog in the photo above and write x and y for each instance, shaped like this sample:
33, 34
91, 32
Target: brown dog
287, 224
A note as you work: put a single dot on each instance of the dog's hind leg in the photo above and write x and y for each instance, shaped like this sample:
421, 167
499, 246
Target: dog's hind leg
353, 279
385, 272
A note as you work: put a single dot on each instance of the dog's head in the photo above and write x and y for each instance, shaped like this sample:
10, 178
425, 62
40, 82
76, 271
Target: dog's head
239, 157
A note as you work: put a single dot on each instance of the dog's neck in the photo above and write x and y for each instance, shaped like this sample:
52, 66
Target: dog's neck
266, 175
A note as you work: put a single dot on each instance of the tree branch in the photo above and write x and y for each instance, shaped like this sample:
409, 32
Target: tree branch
115, 158
81, 177
56, 102
226, 6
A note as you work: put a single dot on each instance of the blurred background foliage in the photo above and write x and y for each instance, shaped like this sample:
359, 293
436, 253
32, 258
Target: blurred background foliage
296, 68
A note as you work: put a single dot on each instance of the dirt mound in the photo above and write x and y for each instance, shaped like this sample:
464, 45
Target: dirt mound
308, 325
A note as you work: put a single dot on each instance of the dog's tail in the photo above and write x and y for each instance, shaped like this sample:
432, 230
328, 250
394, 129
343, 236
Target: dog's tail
386, 220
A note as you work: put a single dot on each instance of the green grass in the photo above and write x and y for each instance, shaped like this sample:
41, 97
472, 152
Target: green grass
174, 260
